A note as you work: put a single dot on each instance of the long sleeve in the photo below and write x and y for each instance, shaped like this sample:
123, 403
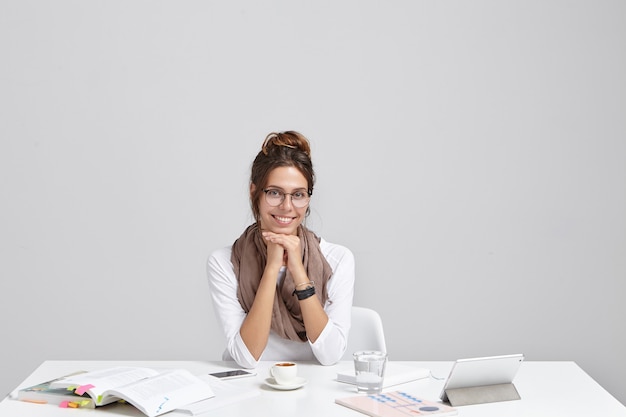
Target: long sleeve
332, 342
230, 314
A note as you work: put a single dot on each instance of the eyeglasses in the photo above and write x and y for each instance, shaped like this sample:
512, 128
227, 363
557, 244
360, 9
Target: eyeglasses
274, 197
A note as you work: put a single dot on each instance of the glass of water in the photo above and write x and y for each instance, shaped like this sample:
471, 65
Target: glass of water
369, 367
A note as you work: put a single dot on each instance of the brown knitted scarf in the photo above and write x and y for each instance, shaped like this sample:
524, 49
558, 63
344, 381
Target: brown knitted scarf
249, 255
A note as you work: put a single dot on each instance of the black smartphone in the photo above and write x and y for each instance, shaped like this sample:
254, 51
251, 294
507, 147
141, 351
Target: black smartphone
235, 373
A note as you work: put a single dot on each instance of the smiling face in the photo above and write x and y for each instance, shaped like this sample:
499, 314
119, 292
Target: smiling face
285, 217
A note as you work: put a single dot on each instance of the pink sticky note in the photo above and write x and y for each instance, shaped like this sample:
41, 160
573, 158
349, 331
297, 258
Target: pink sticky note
64, 404
83, 388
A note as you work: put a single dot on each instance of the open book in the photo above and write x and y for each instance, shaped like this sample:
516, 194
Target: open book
151, 391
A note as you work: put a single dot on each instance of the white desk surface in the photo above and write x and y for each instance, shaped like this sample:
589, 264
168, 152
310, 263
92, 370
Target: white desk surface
548, 389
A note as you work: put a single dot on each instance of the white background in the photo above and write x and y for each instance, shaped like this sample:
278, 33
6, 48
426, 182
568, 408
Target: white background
470, 153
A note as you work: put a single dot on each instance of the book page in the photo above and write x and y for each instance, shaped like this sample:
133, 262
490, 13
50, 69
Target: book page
226, 393
164, 392
105, 379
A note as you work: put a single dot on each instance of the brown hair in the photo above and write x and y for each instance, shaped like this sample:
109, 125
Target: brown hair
283, 149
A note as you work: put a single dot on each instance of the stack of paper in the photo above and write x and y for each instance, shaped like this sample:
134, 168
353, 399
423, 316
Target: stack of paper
395, 374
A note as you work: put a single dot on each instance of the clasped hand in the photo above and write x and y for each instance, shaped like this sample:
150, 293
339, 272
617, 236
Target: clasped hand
284, 250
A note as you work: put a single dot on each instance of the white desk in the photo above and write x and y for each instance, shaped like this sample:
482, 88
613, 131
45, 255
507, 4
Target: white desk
547, 389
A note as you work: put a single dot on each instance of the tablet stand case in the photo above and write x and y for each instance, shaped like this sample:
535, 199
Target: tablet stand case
481, 395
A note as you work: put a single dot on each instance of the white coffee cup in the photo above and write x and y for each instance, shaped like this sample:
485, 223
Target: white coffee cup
284, 373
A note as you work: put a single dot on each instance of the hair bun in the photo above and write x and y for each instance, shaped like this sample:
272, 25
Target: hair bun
289, 139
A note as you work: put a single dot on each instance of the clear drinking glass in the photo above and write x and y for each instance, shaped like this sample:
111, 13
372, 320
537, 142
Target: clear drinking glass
369, 367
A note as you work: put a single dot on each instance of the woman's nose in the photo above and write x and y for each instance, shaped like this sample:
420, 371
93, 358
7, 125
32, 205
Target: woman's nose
286, 204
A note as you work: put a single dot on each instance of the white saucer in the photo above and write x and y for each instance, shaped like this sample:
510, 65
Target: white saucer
297, 383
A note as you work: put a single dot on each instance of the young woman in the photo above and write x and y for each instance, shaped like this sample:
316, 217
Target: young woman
280, 292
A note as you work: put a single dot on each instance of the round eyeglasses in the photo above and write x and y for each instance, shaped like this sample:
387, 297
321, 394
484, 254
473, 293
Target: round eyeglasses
299, 199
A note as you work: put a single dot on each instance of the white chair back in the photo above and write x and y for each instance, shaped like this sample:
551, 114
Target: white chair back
366, 332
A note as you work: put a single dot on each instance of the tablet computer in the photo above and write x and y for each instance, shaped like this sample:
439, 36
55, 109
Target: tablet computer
478, 372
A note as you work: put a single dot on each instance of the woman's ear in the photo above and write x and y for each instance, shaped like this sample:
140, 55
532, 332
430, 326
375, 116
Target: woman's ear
252, 189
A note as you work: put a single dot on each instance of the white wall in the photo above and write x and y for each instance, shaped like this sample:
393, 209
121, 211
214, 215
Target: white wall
471, 154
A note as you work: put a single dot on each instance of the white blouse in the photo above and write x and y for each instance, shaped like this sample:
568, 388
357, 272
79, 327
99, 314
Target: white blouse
329, 346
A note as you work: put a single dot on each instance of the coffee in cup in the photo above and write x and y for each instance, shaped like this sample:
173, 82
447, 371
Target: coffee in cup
284, 373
